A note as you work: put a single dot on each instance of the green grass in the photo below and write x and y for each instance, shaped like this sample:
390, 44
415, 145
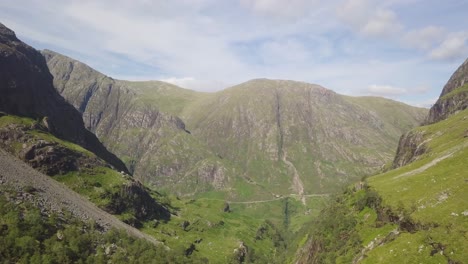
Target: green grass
39, 134
94, 183
51, 138
11, 119
455, 92
435, 198
424, 201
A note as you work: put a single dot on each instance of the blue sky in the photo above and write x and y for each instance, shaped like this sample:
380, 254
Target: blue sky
401, 49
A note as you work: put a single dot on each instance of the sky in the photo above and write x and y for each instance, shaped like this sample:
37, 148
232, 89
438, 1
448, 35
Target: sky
405, 50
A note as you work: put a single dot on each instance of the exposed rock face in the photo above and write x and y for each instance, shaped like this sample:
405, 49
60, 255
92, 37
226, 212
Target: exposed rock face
454, 96
411, 146
134, 196
26, 89
154, 145
298, 137
241, 253
48, 157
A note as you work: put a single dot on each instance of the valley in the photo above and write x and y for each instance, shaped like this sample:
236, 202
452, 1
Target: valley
266, 171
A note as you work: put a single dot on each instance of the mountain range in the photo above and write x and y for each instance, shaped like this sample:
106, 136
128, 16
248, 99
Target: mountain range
267, 171
248, 141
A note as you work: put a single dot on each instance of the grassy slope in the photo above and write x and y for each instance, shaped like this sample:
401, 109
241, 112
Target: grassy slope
435, 198
240, 124
220, 232
417, 213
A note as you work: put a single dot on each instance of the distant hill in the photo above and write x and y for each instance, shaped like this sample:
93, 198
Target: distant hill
262, 138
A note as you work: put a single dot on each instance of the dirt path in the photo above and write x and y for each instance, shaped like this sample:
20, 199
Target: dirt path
424, 167
56, 196
269, 200
297, 185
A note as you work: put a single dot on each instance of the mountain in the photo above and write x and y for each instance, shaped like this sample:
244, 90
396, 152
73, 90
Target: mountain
38, 126
42, 216
26, 89
137, 121
284, 133
454, 96
414, 213
259, 139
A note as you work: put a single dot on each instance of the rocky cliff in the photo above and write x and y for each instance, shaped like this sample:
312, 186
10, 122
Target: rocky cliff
137, 122
453, 97
27, 89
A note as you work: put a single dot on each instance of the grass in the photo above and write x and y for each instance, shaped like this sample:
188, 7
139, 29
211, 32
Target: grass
94, 183
11, 119
435, 198
455, 92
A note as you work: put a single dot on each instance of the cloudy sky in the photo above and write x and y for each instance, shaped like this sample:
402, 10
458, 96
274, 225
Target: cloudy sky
401, 49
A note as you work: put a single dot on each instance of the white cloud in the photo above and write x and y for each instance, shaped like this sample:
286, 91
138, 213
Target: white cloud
199, 42
425, 38
293, 9
369, 19
385, 90
425, 103
452, 48
382, 23
284, 51
199, 85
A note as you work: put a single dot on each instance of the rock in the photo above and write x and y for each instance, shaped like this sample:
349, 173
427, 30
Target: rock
410, 147
240, 253
184, 225
449, 102
135, 197
110, 249
60, 235
226, 208
190, 250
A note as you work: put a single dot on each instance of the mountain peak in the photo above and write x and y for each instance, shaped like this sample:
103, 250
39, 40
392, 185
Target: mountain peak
454, 96
6, 32
27, 90
263, 84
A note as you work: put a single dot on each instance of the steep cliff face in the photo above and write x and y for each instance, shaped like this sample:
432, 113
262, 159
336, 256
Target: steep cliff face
300, 136
453, 97
26, 89
411, 146
136, 121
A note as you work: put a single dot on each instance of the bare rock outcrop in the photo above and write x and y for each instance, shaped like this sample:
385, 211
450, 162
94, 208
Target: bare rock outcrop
411, 146
454, 96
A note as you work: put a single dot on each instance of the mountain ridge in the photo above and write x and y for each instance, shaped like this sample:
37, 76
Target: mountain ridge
35, 96
195, 148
